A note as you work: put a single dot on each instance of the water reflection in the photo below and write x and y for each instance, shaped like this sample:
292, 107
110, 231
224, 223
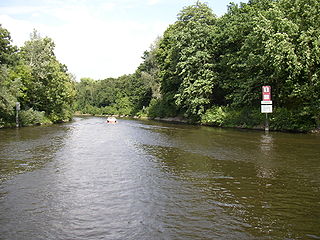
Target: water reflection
147, 180
265, 165
26, 149
266, 143
248, 179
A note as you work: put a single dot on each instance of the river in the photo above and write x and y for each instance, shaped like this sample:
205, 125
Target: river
148, 180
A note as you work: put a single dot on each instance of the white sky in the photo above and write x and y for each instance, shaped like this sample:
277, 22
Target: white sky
96, 38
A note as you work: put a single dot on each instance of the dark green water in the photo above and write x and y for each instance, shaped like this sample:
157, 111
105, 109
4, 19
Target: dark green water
147, 180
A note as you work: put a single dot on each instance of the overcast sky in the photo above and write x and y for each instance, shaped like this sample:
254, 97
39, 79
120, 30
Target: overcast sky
96, 38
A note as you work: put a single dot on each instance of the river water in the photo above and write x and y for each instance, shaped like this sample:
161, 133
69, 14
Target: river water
149, 180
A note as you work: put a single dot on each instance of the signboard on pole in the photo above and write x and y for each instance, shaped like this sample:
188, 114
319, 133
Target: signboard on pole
266, 93
266, 103
266, 108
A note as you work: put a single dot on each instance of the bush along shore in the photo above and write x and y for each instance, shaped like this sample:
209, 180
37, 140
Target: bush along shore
235, 121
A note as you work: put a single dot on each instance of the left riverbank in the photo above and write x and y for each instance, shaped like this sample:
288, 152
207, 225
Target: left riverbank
31, 118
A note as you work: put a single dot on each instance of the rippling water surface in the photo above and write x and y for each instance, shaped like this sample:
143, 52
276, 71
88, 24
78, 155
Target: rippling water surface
147, 180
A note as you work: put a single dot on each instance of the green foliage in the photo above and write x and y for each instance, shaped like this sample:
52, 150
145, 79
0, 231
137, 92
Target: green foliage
294, 120
280, 119
162, 108
185, 58
32, 117
214, 116
91, 110
125, 95
9, 90
34, 77
244, 118
270, 43
7, 51
9, 87
212, 69
149, 70
47, 85
231, 117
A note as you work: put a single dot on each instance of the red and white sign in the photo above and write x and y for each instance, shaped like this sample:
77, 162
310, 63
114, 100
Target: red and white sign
266, 93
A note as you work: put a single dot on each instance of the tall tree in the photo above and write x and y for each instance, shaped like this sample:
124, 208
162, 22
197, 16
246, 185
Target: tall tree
51, 88
9, 88
187, 61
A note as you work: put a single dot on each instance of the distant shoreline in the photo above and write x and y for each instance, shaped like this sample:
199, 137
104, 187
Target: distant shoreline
185, 121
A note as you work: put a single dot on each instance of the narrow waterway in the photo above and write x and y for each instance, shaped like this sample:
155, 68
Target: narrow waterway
149, 180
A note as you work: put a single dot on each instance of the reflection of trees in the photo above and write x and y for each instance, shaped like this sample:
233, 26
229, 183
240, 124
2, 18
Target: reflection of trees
28, 148
251, 178
178, 162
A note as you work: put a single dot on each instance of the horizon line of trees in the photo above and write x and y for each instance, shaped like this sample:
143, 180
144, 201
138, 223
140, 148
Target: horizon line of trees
210, 69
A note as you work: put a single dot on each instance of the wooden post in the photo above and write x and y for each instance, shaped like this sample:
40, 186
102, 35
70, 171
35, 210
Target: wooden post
17, 113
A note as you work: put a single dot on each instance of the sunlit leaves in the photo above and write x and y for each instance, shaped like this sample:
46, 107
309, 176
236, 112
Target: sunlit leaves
207, 61
186, 60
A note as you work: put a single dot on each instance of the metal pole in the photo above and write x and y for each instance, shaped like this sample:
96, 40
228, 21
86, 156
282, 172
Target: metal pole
267, 123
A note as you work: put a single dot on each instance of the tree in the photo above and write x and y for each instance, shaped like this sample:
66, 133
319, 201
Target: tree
9, 88
186, 59
51, 88
149, 70
7, 50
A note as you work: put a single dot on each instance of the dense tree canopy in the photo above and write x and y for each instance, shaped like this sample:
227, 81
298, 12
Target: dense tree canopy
208, 63
34, 77
192, 59
8, 87
204, 68
49, 87
211, 69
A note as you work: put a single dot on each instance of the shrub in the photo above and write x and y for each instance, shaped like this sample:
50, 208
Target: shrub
294, 120
32, 117
162, 108
246, 117
214, 116
230, 117
109, 110
91, 110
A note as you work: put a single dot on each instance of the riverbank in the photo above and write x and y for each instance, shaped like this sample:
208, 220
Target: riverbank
181, 120
45, 122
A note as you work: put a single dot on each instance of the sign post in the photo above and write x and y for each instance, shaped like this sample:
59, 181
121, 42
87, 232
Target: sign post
17, 113
266, 104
